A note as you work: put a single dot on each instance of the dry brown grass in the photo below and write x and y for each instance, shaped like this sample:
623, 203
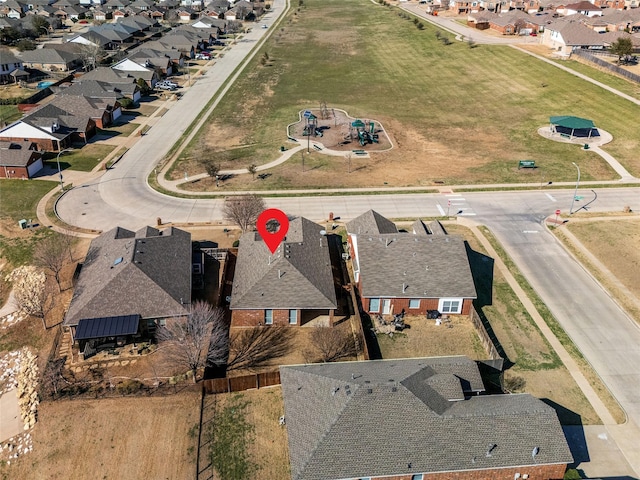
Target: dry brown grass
123, 438
613, 255
426, 339
269, 450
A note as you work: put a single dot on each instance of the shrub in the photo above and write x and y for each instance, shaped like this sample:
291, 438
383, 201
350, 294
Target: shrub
126, 103
236, 244
129, 386
514, 384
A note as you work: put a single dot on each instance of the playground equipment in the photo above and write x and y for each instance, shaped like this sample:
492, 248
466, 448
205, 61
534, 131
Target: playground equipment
359, 129
311, 128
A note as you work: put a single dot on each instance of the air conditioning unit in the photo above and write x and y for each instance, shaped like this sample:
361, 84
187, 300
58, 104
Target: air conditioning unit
345, 256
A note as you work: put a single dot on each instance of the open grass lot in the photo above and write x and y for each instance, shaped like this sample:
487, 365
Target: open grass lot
18, 200
526, 350
144, 437
269, 450
9, 113
455, 114
615, 244
84, 159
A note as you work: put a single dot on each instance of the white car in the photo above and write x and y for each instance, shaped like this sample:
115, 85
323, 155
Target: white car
264, 26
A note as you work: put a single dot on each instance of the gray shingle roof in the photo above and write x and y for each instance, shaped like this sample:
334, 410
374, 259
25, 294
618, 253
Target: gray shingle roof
297, 275
414, 266
377, 418
127, 273
371, 222
16, 154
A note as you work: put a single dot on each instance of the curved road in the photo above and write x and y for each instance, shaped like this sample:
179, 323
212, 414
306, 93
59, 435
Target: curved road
603, 332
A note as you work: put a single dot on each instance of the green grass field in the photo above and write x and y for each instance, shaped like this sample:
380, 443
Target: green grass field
481, 106
83, 159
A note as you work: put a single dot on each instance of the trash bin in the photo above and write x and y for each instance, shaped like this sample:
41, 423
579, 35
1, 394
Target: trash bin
282, 148
586, 146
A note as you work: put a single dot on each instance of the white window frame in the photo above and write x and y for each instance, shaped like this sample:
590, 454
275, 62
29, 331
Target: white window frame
441, 305
293, 315
414, 300
371, 300
268, 316
417, 476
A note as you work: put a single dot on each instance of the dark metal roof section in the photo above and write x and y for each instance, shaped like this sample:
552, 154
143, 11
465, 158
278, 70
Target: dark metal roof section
107, 327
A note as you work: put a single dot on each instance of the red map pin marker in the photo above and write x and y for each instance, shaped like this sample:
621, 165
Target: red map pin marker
272, 239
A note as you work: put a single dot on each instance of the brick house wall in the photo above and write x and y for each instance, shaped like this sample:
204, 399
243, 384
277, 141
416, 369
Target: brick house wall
44, 144
255, 318
397, 304
14, 172
535, 472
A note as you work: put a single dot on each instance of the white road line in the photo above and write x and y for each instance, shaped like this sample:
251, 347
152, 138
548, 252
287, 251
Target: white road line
440, 209
530, 231
550, 197
466, 214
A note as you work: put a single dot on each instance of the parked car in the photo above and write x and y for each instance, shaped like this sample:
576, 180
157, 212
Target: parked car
264, 26
202, 56
166, 85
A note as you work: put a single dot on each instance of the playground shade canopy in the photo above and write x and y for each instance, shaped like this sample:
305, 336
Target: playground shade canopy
573, 123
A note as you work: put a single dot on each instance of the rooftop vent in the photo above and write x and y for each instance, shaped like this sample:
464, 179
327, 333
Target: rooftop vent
335, 390
492, 449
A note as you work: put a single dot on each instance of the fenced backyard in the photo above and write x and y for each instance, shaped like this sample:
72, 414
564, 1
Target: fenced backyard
601, 62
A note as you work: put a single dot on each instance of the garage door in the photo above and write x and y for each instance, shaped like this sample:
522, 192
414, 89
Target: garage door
35, 167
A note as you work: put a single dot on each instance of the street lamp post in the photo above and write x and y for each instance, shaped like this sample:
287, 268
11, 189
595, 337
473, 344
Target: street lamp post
576, 190
58, 162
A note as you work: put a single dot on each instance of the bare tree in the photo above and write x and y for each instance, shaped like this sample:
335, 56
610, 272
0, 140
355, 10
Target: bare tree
330, 344
252, 348
252, 169
91, 55
53, 376
243, 210
29, 289
52, 254
197, 340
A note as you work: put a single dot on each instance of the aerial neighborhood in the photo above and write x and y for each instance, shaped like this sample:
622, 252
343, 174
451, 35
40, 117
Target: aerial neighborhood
319, 240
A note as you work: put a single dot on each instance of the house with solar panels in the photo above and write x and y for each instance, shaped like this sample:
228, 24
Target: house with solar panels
129, 283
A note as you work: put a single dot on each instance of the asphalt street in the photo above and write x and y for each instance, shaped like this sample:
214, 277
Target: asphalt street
604, 334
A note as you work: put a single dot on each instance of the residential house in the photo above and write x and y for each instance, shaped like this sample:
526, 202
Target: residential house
19, 159
8, 64
159, 60
514, 22
411, 273
51, 59
584, 7
186, 14
117, 80
93, 40
116, 4
103, 94
292, 286
135, 70
612, 4
102, 15
129, 283
565, 36
419, 418
626, 20
13, 9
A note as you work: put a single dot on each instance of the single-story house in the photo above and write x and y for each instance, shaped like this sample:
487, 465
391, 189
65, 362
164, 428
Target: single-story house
8, 64
398, 272
415, 419
130, 282
51, 59
584, 8
19, 159
292, 286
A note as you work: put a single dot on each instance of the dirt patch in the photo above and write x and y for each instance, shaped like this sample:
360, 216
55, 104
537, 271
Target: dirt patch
112, 438
336, 130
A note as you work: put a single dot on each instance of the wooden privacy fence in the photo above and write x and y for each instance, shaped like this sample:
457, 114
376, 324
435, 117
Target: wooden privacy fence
484, 336
239, 384
609, 66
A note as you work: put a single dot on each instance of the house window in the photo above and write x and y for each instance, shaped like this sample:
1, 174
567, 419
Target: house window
414, 303
374, 305
293, 317
450, 305
418, 476
268, 317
